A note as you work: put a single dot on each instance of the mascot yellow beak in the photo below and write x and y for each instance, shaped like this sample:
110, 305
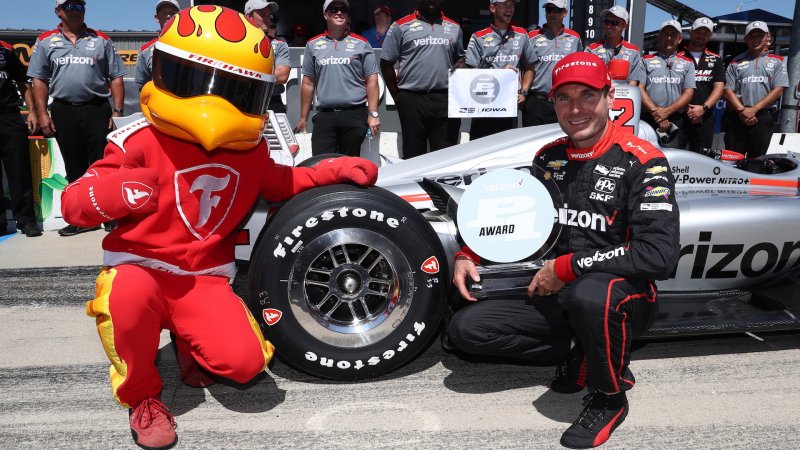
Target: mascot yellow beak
208, 120
212, 79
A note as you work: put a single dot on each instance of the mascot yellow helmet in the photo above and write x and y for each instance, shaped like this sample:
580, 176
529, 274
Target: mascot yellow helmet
212, 79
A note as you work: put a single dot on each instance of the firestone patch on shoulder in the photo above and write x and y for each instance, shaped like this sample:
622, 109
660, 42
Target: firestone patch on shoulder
120, 135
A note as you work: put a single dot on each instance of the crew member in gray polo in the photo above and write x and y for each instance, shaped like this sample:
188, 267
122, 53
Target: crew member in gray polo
165, 9
342, 69
499, 46
428, 46
614, 47
260, 13
669, 87
754, 81
80, 68
547, 46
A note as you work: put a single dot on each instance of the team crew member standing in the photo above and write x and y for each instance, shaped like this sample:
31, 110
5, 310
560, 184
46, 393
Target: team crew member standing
14, 142
428, 46
343, 70
165, 9
80, 68
597, 294
499, 46
612, 46
709, 76
669, 87
382, 15
260, 14
754, 81
548, 45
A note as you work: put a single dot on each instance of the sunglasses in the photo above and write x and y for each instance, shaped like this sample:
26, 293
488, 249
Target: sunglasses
612, 22
74, 7
337, 9
554, 10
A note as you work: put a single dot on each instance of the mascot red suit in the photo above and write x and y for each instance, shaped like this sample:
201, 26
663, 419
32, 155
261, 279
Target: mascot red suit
178, 183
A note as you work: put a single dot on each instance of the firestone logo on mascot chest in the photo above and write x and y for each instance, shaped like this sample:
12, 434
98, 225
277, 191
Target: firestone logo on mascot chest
204, 196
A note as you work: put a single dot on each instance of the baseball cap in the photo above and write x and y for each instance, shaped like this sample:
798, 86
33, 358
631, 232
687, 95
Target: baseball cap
253, 5
167, 2
703, 22
557, 3
757, 25
61, 2
583, 68
617, 11
503, 1
328, 3
671, 23
383, 8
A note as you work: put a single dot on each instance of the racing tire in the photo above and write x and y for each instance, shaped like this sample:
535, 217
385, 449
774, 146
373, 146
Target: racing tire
348, 283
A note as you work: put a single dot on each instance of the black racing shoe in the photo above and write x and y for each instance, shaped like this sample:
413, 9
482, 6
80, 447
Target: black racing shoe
571, 373
602, 414
31, 230
72, 230
108, 226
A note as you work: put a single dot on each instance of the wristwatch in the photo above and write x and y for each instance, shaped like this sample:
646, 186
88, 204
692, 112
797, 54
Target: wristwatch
522, 92
116, 110
706, 108
374, 114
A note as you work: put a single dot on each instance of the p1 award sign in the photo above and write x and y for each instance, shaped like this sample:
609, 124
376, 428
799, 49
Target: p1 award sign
483, 93
506, 216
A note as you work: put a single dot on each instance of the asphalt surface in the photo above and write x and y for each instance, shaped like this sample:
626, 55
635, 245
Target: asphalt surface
723, 392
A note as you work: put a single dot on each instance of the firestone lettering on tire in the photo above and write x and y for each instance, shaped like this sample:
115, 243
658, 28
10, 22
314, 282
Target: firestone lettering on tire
419, 328
293, 243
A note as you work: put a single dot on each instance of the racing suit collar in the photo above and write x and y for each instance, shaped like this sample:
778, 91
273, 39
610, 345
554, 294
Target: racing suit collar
599, 148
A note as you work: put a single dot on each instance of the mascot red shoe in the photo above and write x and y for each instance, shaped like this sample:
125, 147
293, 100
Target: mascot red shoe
178, 183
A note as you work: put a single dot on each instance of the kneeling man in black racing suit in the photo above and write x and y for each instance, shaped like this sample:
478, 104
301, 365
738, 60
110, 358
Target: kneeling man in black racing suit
620, 232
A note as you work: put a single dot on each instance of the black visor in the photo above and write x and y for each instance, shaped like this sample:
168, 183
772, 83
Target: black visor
190, 79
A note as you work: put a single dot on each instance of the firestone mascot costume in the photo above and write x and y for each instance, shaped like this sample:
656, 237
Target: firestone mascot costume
179, 183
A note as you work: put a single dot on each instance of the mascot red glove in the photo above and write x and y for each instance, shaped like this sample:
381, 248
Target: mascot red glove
346, 169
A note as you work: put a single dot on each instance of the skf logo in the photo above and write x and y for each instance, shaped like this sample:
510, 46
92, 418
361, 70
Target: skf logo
431, 266
272, 316
655, 170
136, 194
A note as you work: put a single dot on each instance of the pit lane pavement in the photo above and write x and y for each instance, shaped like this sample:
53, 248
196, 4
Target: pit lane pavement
724, 392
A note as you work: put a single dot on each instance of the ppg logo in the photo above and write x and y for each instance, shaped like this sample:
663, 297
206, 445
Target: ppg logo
606, 185
484, 89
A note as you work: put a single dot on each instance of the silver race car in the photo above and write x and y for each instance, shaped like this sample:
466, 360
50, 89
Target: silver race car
352, 283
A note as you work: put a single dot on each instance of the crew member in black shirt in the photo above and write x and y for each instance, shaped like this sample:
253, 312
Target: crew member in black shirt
14, 153
709, 77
